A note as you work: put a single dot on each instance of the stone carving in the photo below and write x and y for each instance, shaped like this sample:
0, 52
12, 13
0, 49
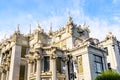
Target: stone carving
53, 44
109, 36
77, 43
39, 29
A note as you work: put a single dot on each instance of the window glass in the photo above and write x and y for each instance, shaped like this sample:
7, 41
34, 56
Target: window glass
99, 67
46, 63
58, 61
22, 72
99, 64
23, 52
98, 59
106, 49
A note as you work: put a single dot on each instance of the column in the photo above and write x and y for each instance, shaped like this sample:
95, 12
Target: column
2, 76
33, 67
15, 63
29, 71
54, 72
66, 71
7, 75
1, 58
38, 71
26, 70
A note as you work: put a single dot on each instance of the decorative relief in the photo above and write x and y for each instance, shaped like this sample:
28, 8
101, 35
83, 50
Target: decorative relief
80, 65
109, 36
77, 43
5, 62
53, 56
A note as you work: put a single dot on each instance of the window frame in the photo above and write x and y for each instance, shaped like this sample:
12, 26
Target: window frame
46, 66
100, 62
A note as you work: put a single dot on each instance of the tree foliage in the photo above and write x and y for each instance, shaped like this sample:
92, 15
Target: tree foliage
108, 75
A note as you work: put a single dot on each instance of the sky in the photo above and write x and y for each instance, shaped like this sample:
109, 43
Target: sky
101, 16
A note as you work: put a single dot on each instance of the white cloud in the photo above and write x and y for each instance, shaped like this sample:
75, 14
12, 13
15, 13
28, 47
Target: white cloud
29, 16
116, 1
117, 19
98, 27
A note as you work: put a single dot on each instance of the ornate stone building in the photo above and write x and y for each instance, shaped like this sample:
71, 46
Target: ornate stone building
66, 54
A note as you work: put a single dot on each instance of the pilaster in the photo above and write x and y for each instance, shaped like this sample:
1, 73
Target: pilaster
15, 63
38, 72
29, 71
54, 71
2, 76
66, 71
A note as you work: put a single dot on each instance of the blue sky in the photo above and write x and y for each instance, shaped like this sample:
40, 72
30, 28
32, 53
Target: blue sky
101, 15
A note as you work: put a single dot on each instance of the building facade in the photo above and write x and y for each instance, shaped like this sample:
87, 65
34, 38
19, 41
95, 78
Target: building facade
66, 54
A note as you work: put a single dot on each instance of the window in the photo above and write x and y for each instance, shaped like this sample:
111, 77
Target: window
106, 49
109, 66
118, 46
35, 66
99, 64
58, 61
31, 70
22, 72
46, 63
23, 52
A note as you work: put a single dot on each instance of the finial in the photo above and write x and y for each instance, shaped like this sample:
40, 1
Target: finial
38, 25
51, 27
50, 31
69, 13
84, 23
4, 36
18, 30
109, 35
39, 28
30, 29
18, 27
70, 21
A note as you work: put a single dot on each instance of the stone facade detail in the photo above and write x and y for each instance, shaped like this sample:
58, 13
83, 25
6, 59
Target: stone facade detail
66, 54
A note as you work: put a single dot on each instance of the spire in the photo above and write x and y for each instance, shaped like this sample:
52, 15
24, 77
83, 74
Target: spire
39, 27
4, 37
18, 30
70, 21
84, 24
51, 27
18, 27
30, 29
70, 18
109, 35
69, 14
50, 31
